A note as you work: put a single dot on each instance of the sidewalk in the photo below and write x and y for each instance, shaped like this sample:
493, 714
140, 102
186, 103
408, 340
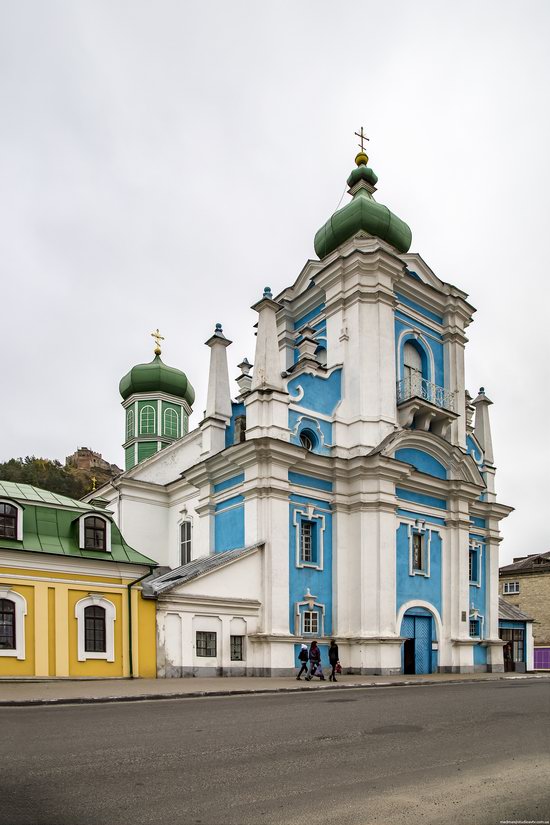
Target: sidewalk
21, 692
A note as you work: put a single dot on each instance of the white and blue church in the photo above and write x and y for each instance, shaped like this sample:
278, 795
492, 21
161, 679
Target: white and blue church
344, 488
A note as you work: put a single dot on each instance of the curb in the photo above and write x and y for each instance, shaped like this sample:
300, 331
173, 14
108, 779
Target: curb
201, 694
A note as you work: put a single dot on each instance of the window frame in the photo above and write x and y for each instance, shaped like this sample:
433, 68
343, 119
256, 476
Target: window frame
419, 528
506, 588
187, 541
18, 519
476, 623
307, 542
207, 644
82, 531
95, 600
11, 625
234, 645
317, 520
311, 616
102, 620
20, 609
172, 412
130, 424
143, 431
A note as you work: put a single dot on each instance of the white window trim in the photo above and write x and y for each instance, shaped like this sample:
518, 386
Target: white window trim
19, 530
170, 410
308, 514
299, 619
414, 334
506, 588
189, 520
155, 417
20, 612
130, 424
426, 532
477, 545
475, 615
81, 534
110, 617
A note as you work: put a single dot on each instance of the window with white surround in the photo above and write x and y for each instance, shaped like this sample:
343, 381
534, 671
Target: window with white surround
11, 520
418, 552
412, 368
130, 424
94, 532
310, 619
474, 628
419, 549
13, 609
185, 542
171, 423
474, 563
307, 529
147, 420
95, 616
511, 587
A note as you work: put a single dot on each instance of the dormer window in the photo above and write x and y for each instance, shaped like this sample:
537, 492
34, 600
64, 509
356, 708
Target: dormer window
11, 521
95, 533
8, 521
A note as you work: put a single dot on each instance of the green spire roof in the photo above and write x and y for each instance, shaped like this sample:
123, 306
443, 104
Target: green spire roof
362, 213
156, 377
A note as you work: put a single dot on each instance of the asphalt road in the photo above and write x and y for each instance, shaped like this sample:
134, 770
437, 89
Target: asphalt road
469, 753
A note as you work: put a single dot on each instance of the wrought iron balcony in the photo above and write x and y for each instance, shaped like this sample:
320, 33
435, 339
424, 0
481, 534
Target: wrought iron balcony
425, 405
417, 387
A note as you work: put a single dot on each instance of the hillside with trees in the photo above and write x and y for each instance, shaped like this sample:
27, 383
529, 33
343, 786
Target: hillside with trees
51, 475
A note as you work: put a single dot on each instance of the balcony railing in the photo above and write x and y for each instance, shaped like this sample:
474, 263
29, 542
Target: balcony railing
417, 387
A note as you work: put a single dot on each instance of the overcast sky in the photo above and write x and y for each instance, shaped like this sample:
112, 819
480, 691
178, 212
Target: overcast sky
161, 162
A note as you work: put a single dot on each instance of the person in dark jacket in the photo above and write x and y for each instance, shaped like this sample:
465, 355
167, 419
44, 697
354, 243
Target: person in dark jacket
333, 659
314, 661
303, 658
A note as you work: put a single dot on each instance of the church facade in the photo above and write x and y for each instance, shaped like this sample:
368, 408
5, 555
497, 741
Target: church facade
344, 489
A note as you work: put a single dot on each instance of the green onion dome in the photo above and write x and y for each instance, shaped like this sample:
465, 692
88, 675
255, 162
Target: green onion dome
362, 213
156, 377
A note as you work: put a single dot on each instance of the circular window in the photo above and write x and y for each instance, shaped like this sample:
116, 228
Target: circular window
308, 440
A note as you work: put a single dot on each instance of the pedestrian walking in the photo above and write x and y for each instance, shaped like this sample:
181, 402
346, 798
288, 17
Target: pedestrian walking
303, 659
315, 663
333, 659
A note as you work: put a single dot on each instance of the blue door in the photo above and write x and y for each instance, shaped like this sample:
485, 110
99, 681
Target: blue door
419, 630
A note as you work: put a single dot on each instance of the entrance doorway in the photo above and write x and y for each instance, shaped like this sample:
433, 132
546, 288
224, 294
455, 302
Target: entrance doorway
417, 649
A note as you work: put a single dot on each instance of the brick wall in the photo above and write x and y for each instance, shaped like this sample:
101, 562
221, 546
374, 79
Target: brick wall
533, 598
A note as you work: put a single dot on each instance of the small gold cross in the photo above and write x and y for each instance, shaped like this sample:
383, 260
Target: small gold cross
362, 136
94, 482
158, 338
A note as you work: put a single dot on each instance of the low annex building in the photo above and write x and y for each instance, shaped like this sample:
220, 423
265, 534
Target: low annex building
345, 490
525, 584
70, 601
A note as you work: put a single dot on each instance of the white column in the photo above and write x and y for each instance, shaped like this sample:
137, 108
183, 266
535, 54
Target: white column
218, 404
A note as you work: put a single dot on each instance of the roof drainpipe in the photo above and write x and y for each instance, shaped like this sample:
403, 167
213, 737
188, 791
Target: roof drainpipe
130, 651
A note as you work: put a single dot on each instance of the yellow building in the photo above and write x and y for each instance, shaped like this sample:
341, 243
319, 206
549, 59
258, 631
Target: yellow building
70, 595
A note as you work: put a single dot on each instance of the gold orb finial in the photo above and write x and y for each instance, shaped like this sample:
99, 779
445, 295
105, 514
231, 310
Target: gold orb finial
361, 159
158, 338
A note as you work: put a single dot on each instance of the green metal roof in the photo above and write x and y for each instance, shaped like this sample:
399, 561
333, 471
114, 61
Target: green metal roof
26, 492
154, 377
362, 213
50, 528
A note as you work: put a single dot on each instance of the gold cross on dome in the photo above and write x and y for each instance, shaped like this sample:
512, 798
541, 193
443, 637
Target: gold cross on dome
362, 137
158, 338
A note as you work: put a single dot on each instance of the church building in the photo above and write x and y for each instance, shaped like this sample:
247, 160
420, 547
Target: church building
343, 488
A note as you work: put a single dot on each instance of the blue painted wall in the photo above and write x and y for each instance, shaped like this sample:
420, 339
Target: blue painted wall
421, 461
480, 655
427, 313
474, 449
228, 483
229, 524
324, 655
300, 578
310, 481
409, 587
432, 339
420, 498
320, 394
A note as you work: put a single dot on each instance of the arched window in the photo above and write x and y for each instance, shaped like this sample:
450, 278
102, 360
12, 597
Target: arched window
95, 629
171, 423
308, 439
129, 424
321, 355
147, 420
185, 542
412, 368
8, 521
95, 618
95, 533
7, 625
13, 609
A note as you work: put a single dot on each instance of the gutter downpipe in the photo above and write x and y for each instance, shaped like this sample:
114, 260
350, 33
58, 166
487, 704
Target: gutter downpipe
129, 586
